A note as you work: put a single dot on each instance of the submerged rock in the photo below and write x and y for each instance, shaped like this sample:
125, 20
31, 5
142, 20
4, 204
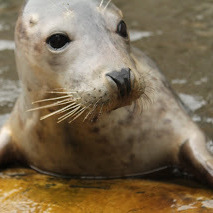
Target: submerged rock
23, 190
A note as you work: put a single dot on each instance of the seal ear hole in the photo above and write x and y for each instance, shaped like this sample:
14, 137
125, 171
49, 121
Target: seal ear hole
58, 41
122, 29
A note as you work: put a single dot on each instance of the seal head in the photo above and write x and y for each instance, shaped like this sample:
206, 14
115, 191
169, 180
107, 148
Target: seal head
62, 47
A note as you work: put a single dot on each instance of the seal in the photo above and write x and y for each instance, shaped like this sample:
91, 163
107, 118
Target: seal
83, 87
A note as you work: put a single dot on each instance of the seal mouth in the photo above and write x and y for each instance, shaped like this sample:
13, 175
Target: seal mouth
72, 105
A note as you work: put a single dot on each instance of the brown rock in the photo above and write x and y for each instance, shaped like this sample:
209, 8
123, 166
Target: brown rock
23, 190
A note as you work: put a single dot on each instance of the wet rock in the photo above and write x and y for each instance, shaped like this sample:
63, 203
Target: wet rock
23, 190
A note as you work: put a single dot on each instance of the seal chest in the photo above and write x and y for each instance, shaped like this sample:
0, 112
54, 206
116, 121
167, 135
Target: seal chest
82, 89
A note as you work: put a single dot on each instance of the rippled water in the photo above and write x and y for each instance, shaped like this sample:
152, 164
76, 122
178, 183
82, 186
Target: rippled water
176, 34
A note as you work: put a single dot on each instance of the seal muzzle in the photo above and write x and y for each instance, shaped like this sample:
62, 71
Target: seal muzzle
122, 80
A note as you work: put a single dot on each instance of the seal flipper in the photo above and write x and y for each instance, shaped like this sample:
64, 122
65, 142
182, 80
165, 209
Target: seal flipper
6, 147
195, 156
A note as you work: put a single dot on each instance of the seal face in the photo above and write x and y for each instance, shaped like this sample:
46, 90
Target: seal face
85, 52
82, 89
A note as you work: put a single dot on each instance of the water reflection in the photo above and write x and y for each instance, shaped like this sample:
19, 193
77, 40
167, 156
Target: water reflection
7, 45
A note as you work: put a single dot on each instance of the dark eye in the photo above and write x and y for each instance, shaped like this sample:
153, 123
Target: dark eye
58, 41
122, 29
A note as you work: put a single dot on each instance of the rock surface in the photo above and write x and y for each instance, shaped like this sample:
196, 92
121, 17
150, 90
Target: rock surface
23, 190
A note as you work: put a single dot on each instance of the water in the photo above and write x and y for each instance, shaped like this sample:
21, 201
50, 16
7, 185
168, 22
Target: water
9, 85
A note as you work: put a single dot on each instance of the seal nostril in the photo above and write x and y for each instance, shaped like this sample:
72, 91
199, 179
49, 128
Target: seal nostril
122, 80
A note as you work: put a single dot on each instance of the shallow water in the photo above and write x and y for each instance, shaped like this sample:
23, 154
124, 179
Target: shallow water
178, 35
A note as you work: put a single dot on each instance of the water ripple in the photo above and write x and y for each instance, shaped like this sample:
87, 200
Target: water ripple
9, 91
7, 45
193, 102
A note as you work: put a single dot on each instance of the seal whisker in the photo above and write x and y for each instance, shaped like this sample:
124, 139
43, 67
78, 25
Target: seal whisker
107, 5
92, 110
144, 101
146, 98
88, 113
138, 107
64, 117
78, 114
69, 108
52, 99
86, 117
101, 4
57, 112
55, 92
72, 108
148, 89
58, 103
101, 110
92, 114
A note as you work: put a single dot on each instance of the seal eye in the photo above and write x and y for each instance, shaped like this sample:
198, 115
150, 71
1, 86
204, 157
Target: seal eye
122, 29
58, 41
